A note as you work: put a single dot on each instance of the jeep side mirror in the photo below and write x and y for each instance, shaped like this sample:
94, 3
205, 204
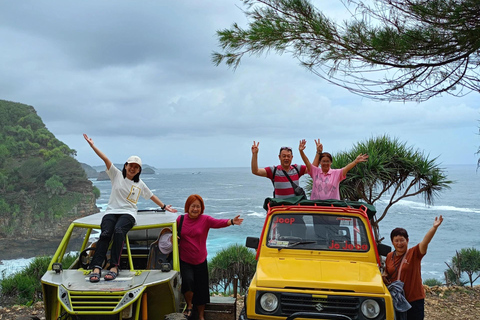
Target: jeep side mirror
252, 242
383, 249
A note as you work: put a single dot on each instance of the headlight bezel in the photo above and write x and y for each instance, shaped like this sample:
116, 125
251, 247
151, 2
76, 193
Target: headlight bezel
366, 305
267, 298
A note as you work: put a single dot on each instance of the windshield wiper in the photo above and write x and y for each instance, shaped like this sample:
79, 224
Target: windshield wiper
300, 242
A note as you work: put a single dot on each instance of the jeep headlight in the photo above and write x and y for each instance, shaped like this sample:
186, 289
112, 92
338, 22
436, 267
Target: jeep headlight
370, 308
269, 302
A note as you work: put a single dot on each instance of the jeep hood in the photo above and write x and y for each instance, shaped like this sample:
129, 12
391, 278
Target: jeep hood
316, 274
77, 280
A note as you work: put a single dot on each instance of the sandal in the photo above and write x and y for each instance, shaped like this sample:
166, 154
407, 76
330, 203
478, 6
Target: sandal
111, 275
188, 314
94, 277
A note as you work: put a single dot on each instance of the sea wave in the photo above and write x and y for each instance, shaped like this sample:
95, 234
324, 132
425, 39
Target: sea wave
423, 206
9, 267
257, 214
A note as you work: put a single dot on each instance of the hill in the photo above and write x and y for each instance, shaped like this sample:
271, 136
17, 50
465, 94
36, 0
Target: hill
42, 186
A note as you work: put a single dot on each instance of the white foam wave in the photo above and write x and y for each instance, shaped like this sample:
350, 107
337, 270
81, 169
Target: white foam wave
241, 200
221, 213
257, 214
422, 206
9, 267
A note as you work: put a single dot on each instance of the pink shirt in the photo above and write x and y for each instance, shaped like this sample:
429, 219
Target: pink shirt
325, 185
193, 237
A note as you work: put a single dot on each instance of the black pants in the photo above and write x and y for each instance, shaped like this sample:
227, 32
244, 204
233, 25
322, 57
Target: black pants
195, 279
116, 225
417, 311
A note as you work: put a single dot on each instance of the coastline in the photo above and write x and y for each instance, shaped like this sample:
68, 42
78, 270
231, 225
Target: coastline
15, 255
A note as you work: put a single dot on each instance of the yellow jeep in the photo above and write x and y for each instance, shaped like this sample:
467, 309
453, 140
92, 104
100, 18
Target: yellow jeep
146, 287
317, 260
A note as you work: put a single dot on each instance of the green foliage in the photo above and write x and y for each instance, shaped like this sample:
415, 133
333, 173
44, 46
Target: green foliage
55, 186
466, 261
233, 261
37, 171
4, 205
96, 192
30, 173
453, 276
24, 287
432, 282
386, 50
393, 170
4, 153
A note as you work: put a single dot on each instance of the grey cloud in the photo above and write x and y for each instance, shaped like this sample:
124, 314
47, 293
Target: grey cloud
137, 75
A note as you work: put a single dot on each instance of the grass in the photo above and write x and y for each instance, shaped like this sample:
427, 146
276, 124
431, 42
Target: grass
432, 282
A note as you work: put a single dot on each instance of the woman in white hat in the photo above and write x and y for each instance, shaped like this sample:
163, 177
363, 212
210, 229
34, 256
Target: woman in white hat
119, 218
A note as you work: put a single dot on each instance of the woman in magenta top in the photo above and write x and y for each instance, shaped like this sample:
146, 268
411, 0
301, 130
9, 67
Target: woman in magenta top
325, 180
193, 252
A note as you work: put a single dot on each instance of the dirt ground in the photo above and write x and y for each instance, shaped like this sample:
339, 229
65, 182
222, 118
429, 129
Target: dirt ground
442, 303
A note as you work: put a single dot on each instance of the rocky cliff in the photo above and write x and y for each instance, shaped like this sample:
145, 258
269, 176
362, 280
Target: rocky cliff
42, 187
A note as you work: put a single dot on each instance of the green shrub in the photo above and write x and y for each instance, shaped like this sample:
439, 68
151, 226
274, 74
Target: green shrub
466, 261
96, 192
24, 287
231, 262
432, 282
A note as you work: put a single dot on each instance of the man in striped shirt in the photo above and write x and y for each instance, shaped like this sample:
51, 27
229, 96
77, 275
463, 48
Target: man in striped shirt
283, 187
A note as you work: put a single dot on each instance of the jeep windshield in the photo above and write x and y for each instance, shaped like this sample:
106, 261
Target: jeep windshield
307, 231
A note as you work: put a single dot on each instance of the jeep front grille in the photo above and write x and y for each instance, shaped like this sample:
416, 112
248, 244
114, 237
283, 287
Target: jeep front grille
82, 302
102, 302
291, 303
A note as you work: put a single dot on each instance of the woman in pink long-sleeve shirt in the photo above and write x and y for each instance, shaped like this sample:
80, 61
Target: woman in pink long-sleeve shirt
193, 252
325, 180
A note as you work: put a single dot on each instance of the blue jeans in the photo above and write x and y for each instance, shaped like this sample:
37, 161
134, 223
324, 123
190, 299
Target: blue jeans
116, 226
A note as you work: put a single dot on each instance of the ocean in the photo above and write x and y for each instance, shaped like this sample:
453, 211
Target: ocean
228, 192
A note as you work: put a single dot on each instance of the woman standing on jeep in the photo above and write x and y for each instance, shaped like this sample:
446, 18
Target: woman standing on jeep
193, 231
325, 180
119, 218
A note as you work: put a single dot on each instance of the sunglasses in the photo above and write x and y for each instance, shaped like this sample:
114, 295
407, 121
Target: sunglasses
285, 148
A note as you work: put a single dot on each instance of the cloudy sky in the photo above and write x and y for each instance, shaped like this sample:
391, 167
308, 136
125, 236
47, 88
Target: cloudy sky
137, 77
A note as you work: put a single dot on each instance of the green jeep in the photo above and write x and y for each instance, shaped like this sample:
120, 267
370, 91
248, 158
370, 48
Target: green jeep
146, 288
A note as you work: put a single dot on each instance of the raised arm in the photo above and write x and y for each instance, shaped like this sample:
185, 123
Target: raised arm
423, 246
316, 160
102, 156
360, 158
301, 148
162, 205
254, 165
